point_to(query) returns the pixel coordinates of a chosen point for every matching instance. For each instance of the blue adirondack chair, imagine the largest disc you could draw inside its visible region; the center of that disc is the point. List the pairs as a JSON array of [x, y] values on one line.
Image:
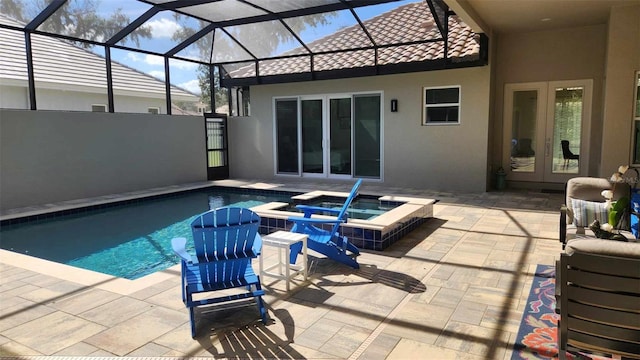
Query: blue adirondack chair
[[327, 242], [225, 240]]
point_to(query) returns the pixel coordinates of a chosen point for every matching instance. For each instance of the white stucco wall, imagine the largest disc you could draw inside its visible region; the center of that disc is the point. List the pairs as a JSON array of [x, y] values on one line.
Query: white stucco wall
[[50, 156], [444, 157]]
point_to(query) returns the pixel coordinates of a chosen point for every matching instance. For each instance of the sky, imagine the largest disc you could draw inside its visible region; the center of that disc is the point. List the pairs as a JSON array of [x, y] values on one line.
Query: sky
[[184, 73]]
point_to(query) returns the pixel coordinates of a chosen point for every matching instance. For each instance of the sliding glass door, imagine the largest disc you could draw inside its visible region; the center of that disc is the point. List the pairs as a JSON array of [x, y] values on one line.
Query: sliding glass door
[[336, 136], [312, 136], [287, 136], [340, 136], [367, 133]]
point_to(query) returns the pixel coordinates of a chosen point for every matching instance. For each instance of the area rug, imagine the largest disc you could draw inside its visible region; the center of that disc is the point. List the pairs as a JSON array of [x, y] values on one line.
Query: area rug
[[537, 337]]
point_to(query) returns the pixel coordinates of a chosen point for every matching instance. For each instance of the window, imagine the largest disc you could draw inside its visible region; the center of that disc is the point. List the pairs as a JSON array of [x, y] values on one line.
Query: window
[[636, 122], [154, 110], [441, 105], [98, 108]]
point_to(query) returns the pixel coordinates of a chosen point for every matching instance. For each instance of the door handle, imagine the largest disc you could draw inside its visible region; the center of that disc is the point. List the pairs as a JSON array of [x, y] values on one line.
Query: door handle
[[547, 147]]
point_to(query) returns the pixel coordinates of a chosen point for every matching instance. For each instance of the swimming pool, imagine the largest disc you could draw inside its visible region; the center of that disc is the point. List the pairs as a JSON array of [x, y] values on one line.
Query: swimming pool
[[133, 239], [128, 241]]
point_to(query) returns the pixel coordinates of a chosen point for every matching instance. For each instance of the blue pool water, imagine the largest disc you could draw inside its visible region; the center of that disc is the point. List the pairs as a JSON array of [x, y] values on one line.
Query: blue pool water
[[134, 240], [128, 241]]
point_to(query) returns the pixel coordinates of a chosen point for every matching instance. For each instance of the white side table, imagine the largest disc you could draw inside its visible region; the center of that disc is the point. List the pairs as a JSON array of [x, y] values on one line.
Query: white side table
[[283, 241]]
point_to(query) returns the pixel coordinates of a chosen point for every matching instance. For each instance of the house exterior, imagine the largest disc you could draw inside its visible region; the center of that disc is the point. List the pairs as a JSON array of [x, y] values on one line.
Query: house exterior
[[346, 128], [513, 101]]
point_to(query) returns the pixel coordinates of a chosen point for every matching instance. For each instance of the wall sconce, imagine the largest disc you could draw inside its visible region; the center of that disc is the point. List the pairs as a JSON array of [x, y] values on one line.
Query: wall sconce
[[394, 105]]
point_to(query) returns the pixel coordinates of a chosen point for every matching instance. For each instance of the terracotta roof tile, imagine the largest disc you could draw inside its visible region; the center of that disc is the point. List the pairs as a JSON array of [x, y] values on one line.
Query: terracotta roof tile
[[408, 23]]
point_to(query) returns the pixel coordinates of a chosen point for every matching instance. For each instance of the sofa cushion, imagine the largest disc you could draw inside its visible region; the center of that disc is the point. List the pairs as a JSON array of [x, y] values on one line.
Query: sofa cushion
[[604, 247], [585, 212], [589, 189]]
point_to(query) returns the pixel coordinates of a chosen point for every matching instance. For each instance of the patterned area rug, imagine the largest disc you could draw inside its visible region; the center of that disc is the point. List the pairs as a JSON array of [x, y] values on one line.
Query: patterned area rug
[[537, 337]]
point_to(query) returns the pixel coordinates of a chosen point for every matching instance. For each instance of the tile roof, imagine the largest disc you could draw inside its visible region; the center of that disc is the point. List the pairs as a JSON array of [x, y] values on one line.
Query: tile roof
[[60, 64], [406, 24]]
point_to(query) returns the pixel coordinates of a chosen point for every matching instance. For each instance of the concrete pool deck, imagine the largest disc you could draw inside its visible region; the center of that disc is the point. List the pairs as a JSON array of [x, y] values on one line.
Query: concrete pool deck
[[455, 287]]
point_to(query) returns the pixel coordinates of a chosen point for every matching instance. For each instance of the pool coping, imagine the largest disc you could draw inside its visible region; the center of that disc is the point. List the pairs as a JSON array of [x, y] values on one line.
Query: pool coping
[[86, 277], [44, 209]]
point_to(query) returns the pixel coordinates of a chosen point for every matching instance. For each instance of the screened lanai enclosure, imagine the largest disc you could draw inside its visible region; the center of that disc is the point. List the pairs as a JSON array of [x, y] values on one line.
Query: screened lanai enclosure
[[128, 95], [195, 56]]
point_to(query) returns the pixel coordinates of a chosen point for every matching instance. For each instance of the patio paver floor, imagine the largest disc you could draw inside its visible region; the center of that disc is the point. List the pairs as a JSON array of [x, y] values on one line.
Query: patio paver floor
[[454, 288]]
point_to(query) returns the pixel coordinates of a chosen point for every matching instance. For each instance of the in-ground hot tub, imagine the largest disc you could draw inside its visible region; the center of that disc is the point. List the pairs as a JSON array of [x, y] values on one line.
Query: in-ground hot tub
[[374, 233]]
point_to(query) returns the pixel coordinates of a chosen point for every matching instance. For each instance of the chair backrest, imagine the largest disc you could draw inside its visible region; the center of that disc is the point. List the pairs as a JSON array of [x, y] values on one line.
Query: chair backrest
[[524, 147], [600, 296], [347, 202], [225, 233], [565, 148]]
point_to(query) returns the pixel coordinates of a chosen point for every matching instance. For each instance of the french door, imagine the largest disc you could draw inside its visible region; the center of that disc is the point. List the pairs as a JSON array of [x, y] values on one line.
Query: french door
[[546, 130], [337, 136]]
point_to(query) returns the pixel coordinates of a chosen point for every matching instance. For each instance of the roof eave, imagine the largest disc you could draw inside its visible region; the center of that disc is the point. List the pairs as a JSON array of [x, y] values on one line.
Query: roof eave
[[388, 69]]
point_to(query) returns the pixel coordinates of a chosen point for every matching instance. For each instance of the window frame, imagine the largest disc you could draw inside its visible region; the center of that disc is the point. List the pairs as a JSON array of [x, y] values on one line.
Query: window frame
[[326, 98], [426, 106], [151, 109], [634, 158], [103, 106]]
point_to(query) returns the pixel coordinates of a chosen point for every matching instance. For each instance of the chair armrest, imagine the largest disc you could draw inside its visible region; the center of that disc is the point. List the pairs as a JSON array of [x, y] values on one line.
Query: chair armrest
[[257, 245], [315, 221], [563, 225], [179, 247], [557, 290], [308, 210]]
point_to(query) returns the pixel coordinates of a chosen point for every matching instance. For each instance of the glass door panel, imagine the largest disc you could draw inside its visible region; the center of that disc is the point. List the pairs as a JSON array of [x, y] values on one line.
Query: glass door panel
[[567, 127], [340, 136], [636, 123], [367, 128], [287, 136], [524, 120], [312, 137], [524, 131]]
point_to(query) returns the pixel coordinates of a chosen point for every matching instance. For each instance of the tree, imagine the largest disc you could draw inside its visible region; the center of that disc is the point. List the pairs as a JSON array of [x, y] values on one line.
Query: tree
[[76, 18]]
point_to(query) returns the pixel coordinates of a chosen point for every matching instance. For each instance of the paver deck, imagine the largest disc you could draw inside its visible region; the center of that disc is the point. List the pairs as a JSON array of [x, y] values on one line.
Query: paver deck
[[454, 288]]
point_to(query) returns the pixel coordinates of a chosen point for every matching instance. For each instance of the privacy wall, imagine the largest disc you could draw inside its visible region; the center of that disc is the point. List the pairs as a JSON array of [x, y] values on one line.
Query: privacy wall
[[52, 156]]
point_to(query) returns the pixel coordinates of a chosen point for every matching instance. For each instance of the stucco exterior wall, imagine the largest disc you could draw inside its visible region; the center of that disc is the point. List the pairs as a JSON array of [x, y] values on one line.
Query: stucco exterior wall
[[440, 157], [565, 54], [622, 61], [50, 156]]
